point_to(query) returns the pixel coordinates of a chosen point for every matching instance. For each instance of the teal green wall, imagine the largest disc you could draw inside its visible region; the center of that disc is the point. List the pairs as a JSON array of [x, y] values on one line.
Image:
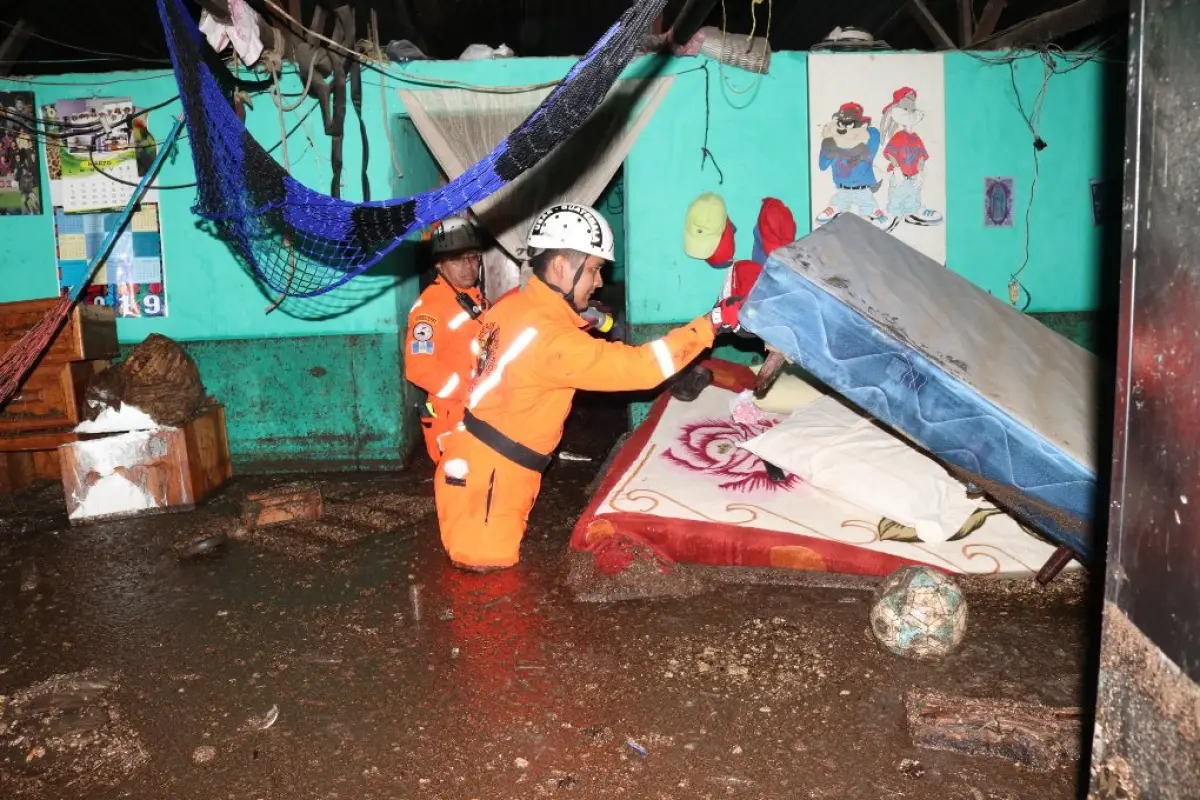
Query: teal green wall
[[611, 204], [758, 135], [987, 136], [320, 380]]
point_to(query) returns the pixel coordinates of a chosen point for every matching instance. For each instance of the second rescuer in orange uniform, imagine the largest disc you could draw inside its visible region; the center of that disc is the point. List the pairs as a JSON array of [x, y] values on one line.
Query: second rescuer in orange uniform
[[442, 325], [534, 354]]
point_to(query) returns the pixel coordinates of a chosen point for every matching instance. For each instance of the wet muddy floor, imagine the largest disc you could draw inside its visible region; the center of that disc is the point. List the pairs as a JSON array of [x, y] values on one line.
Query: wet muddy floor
[[293, 662]]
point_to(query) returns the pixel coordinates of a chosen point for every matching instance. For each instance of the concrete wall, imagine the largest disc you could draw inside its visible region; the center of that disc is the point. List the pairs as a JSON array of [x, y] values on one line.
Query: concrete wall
[[320, 381]]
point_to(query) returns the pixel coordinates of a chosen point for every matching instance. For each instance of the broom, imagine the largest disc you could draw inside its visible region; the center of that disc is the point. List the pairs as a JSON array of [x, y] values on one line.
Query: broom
[[21, 357]]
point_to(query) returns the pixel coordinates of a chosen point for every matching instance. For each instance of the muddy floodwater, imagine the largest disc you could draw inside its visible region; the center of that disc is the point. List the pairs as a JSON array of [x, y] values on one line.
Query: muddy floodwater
[[181, 657]]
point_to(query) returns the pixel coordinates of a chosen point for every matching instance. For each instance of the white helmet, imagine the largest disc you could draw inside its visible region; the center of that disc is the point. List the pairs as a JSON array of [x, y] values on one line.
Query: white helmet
[[568, 226], [453, 235]]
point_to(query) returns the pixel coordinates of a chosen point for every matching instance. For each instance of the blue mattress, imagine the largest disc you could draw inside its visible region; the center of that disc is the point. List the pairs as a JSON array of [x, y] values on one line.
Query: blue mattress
[[1003, 401]]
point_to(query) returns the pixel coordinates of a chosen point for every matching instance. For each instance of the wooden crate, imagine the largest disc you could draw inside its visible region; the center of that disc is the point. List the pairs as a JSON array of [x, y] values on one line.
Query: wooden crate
[[51, 397], [38, 440], [19, 470], [148, 472], [89, 333]]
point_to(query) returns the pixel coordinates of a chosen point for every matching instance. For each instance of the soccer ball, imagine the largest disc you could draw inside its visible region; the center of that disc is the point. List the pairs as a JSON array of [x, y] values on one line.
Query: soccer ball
[[919, 612]]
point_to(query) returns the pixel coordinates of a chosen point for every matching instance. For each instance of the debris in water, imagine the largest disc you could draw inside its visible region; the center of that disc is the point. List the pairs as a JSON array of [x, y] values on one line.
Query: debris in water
[[635, 747], [29, 577], [286, 503], [520, 763], [205, 546], [268, 719], [1038, 736], [414, 598], [566, 455], [74, 727], [204, 754], [912, 768]]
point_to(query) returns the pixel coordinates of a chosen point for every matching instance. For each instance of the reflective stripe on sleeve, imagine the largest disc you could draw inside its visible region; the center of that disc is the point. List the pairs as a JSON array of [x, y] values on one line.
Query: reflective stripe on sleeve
[[663, 354]]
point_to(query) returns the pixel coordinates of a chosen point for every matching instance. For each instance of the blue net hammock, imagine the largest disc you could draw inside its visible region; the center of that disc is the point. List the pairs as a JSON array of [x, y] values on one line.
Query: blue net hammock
[[303, 243]]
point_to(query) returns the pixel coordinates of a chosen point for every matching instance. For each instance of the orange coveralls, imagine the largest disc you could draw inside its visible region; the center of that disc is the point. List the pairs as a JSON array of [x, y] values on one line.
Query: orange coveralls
[[534, 356], [438, 357]]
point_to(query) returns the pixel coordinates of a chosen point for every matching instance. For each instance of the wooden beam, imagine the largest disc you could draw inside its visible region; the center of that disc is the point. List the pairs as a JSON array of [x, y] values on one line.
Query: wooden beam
[[1040, 737], [966, 22], [901, 8], [1055, 24], [892, 20], [690, 19], [936, 33], [13, 44], [988, 20]]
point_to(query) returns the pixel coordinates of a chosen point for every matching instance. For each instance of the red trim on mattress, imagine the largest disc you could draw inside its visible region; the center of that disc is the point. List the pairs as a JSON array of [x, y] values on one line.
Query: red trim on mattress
[[710, 543], [726, 375]]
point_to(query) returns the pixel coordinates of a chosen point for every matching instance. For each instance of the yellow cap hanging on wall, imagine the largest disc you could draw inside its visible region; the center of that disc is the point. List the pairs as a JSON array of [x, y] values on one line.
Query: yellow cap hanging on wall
[[704, 225]]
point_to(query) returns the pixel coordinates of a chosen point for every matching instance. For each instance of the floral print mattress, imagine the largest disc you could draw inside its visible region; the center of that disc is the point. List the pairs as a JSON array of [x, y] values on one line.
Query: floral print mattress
[[682, 488]]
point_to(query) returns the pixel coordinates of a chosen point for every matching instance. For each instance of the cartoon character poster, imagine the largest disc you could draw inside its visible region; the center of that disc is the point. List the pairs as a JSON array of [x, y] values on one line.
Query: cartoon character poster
[[878, 143]]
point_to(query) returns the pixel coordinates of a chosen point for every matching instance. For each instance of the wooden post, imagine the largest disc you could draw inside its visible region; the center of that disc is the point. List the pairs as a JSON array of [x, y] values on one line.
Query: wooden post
[[988, 19], [936, 33], [1054, 24], [1054, 565], [14, 43], [966, 22]]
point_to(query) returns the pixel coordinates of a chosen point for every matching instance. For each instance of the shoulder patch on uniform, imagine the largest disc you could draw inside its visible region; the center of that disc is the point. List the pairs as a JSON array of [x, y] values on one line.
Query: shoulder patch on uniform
[[422, 332], [489, 342], [427, 319], [420, 348]]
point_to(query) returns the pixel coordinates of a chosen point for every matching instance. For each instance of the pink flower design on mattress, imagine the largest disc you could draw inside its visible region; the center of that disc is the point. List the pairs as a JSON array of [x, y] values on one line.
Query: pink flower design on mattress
[[711, 447]]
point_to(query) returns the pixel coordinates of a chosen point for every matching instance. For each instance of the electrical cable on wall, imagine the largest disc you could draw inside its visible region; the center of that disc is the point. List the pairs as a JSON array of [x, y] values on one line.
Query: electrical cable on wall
[[1016, 287], [1052, 58]]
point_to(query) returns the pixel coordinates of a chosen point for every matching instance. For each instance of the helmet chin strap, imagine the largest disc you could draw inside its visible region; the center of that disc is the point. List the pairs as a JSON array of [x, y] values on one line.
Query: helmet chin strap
[[569, 294], [464, 299]]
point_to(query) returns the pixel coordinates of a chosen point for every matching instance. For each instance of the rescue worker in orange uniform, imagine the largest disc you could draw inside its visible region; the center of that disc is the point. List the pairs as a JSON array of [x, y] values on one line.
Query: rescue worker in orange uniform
[[442, 325], [535, 353]]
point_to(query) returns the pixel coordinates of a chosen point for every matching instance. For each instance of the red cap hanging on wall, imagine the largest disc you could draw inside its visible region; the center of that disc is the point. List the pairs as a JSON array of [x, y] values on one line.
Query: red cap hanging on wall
[[724, 252], [776, 226]]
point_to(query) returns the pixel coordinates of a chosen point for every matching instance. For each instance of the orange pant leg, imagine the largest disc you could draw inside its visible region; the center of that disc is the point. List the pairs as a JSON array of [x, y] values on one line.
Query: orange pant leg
[[482, 512], [437, 429]]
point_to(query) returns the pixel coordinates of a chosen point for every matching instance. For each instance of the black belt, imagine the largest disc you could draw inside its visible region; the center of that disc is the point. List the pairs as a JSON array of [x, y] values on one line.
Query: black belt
[[515, 452]]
